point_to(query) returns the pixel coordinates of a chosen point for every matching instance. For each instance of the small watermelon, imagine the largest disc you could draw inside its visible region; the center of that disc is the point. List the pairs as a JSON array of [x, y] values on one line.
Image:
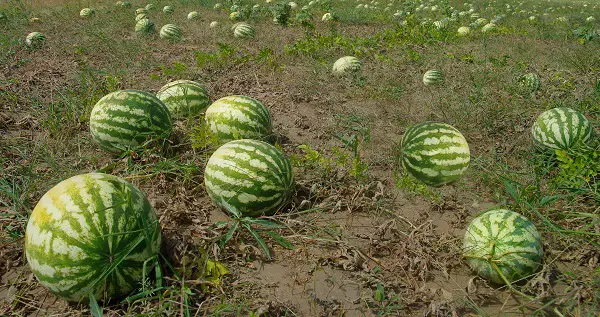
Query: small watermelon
[[184, 98], [502, 241], [238, 117], [35, 39], [125, 119], [194, 15], [530, 81], [168, 9], [249, 178], [150, 6], [435, 153], [170, 32], [144, 26], [81, 227], [464, 31], [346, 65], [141, 11], [488, 28], [86, 12], [561, 128], [433, 77]]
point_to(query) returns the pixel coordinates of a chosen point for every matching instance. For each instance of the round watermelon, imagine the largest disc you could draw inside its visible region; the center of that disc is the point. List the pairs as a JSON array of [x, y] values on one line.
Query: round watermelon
[[238, 117], [144, 26], [346, 65], [327, 17], [560, 128], [141, 11], [141, 16], [194, 15], [150, 6], [433, 77], [184, 98], [35, 39], [168, 9], [249, 178], [170, 32], [244, 31], [488, 28], [85, 225], [502, 241], [86, 12], [530, 81], [125, 119], [464, 31], [435, 153], [213, 24]]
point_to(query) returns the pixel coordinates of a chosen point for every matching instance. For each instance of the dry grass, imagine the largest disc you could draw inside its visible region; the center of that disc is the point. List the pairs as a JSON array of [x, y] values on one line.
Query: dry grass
[[351, 233]]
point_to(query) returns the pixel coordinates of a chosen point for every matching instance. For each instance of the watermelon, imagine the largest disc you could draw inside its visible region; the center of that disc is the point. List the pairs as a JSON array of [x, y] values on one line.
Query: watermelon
[[35, 39], [238, 117], [125, 119], [81, 227], [249, 178], [86, 12], [194, 15], [184, 98], [433, 77], [170, 32], [141, 16], [530, 81], [234, 16], [464, 31], [141, 11], [560, 128], [435, 153], [168, 9], [440, 25], [123, 4], [217, 6], [346, 65], [505, 241], [213, 24], [144, 26], [244, 31], [490, 27], [150, 6]]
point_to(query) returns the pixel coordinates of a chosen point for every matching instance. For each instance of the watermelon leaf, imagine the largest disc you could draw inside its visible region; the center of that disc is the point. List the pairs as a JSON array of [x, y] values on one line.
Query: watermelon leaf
[[94, 307], [229, 234], [263, 222], [258, 239], [281, 240]]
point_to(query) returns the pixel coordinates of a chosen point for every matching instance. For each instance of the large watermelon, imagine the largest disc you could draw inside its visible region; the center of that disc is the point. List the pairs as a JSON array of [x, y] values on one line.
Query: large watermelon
[[560, 128], [433, 77], [83, 226], [184, 98], [170, 32], [346, 65], [124, 119], [244, 31], [249, 178], [238, 117], [435, 153], [505, 241]]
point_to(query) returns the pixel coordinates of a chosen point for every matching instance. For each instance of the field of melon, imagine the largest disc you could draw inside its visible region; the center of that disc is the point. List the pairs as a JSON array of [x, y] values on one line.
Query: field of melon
[[299, 158]]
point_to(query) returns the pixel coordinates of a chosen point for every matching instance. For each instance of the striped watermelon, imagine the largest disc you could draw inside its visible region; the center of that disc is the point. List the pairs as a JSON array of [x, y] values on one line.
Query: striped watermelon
[[506, 240], [170, 32], [433, 77], [168, 9], [234, 16], [530, 81], [194, 15], [347, 65], [435, 153], [327, 17], [125, 119], [238, 117], [464, 31], [244, 31], [86, 12], [144, 26], [141, 11], [81, 226], [35, 39], [150, 6], [124, 4], [490, 27], [249, 178], [184, 98], [560, 128]]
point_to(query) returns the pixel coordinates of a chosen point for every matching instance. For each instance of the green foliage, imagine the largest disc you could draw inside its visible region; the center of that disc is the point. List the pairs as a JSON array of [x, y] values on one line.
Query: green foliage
[[281, 12], [578, 170], [385, 304]]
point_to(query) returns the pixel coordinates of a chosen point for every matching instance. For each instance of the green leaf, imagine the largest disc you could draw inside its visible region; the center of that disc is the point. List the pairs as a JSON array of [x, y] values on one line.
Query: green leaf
[[258, 239], [281, 240], [94, 307], [380, 293], [511, 190], [229, 234], [263, 222], [550, 199]]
